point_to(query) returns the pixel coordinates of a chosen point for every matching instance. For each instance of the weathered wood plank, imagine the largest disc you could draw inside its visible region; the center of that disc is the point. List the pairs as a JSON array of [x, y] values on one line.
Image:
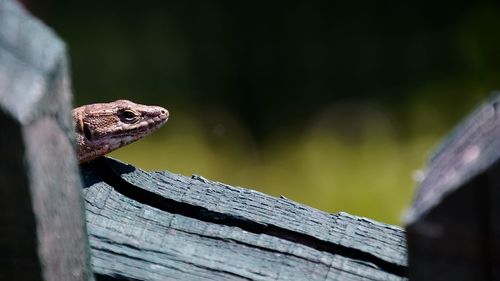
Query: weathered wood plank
[[161, 226], [42, 222], [453, 231]]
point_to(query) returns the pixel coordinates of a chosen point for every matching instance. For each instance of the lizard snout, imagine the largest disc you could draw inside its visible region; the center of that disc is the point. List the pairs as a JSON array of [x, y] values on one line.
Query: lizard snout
[[163, 113]]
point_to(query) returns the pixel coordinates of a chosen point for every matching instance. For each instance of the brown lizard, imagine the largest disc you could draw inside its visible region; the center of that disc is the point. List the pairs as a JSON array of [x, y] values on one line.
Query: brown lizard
[[103, 127]]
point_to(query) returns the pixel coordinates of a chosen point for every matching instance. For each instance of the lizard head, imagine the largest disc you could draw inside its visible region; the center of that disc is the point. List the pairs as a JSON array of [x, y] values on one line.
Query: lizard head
[[103, 127]]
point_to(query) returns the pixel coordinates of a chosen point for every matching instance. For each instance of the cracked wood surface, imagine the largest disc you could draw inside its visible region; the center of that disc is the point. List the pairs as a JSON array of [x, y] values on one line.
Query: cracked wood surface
[[163, 226]]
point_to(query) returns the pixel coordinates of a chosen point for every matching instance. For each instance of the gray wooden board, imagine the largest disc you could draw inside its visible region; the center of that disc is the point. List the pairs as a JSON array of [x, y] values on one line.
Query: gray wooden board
[[42, 221], [163, 226], [470, 149], [452, 226]]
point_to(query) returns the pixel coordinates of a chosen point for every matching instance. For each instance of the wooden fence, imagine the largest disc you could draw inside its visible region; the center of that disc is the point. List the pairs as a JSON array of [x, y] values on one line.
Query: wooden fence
[[163, 226]]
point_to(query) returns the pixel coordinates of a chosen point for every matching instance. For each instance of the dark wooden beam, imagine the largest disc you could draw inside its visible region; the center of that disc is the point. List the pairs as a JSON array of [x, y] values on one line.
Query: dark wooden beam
[[453, 231]]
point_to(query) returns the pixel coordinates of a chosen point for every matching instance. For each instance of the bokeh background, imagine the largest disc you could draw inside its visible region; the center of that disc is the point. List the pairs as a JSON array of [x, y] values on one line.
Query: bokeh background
[[334, 104]]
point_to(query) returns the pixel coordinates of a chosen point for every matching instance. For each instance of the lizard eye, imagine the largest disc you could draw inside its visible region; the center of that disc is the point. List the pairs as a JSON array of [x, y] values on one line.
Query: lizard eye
[[129, 115]]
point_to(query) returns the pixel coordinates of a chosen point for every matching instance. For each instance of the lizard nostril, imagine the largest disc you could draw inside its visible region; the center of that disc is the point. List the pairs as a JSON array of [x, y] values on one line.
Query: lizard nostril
[[163, 112]]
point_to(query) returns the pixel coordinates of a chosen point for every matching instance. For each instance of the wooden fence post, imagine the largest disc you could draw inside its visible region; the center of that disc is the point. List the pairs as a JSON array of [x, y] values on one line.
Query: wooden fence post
[[453, 230], [42, 221]]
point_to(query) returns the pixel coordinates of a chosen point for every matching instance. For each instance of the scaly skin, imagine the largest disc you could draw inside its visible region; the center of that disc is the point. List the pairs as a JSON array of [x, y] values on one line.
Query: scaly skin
[[103, 127]]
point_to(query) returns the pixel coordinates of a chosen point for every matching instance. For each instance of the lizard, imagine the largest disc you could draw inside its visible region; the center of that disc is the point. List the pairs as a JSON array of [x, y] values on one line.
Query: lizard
[[103, 127]]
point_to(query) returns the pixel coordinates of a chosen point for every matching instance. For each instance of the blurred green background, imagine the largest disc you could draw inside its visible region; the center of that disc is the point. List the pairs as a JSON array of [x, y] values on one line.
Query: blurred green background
[[334, 104]]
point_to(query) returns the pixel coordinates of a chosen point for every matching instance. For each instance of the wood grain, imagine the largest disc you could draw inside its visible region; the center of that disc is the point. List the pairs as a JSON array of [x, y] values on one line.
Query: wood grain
[[162, 226]]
